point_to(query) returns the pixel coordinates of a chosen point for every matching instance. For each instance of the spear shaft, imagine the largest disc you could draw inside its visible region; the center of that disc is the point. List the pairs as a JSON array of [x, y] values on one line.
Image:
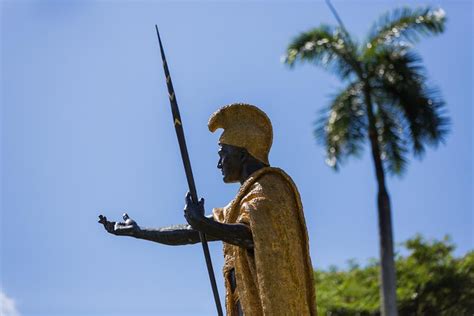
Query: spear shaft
[[187, 168]]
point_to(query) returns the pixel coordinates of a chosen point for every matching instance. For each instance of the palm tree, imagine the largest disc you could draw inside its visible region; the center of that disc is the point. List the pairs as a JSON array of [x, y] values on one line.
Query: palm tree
[[386, 100]]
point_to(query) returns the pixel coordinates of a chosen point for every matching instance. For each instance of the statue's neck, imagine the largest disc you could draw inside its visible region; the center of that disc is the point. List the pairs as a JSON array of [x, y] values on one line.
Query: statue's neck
[[249, 169]]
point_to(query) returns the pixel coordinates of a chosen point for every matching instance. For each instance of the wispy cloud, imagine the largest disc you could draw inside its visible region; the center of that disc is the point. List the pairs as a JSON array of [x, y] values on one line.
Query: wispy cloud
[[7, 306]]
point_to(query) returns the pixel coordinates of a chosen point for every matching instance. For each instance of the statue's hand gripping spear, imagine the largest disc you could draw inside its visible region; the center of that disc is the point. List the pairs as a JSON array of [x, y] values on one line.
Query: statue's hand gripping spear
[[187, 168]]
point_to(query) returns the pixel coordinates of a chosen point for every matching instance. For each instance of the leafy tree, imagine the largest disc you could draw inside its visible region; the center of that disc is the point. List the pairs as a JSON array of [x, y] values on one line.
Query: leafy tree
[[386, 101], [431, 281]]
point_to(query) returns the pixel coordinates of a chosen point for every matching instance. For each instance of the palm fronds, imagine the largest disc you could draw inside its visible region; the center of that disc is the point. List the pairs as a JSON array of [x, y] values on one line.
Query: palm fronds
[[325, 46], [391, 138], [405, 24], [342, 127], [401, 78], [409, 113]]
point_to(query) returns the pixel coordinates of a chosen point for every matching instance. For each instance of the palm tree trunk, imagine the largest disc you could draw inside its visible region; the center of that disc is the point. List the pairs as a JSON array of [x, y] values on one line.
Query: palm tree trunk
[[388, 277]]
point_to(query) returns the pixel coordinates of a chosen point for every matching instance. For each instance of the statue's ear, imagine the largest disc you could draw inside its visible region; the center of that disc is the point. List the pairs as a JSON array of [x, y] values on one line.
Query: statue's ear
[[244, 155]]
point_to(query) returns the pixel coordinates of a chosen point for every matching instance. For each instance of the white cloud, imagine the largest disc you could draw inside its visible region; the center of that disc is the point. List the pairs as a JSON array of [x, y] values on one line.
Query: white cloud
[[7, 306]]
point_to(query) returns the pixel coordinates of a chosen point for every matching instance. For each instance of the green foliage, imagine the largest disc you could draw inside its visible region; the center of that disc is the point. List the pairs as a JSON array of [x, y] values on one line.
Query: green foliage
[[408, 113], [430, 282]]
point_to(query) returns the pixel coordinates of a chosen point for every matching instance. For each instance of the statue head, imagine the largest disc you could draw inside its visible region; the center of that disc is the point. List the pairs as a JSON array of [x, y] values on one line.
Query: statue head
[[245, 142]]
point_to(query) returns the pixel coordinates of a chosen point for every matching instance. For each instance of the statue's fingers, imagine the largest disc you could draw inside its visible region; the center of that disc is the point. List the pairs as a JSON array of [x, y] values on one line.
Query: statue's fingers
[[102, 219], [188, 198]]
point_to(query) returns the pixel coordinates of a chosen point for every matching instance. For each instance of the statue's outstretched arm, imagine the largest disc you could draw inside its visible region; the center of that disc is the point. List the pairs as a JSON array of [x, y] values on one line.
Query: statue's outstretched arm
[[235, 234], [173, 235]]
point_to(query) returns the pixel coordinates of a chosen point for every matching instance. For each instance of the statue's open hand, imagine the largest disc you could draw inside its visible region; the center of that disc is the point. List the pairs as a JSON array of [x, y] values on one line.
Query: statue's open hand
[[127, 228], [193, 212]]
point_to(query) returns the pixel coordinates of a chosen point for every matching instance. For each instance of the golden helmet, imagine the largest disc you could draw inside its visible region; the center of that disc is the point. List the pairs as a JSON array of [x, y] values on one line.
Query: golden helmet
[[245, 126]]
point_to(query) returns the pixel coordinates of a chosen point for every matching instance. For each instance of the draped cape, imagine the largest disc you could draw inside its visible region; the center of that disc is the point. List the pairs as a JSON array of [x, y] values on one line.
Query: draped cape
[[276, 276]]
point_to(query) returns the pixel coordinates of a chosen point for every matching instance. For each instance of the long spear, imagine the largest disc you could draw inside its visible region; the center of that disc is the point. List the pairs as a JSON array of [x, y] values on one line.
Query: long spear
[[178, 125]]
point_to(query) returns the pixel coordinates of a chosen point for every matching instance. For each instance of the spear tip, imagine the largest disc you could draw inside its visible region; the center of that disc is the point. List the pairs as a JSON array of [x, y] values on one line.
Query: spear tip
[[161, 44]]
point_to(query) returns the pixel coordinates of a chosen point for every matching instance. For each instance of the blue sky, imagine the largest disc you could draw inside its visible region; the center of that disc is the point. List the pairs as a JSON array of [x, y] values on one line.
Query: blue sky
[[86, 129]]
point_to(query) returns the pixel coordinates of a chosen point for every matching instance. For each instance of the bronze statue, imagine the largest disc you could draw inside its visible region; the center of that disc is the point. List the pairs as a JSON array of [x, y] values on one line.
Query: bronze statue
[[267, 269]]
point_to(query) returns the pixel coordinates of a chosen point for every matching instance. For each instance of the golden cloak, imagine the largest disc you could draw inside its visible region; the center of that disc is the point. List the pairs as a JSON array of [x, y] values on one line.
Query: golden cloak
[[276, 278]]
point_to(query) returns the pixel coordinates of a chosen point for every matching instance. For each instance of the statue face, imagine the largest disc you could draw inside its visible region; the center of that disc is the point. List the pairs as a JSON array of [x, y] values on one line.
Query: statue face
[[231, 160]]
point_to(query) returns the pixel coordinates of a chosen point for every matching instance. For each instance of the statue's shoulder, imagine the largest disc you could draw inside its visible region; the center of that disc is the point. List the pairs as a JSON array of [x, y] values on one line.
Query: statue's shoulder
[[271, 181], [273, 175]]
